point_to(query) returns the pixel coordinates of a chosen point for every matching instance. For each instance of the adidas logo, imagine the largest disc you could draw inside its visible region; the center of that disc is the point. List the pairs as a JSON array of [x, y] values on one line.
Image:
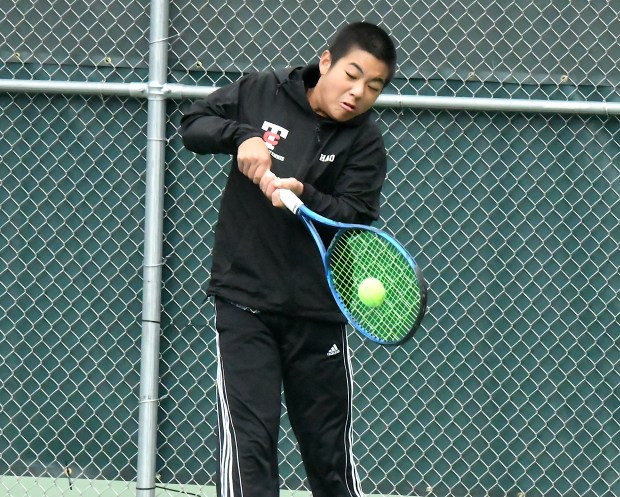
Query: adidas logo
[[333, 351]]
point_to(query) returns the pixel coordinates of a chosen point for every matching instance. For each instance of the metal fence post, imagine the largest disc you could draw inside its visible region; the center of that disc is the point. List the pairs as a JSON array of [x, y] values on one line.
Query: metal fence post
[[153, 239]]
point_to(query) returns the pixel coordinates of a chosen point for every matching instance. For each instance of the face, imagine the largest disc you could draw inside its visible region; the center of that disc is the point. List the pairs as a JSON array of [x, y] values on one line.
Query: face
[[350, 86]]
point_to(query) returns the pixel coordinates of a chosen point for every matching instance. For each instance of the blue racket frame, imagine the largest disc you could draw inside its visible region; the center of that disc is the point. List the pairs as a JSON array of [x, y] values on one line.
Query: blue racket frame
[[308, 216]]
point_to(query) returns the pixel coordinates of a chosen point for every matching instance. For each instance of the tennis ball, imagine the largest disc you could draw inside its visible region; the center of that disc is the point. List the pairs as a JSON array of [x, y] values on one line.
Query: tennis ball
[[371, 292]]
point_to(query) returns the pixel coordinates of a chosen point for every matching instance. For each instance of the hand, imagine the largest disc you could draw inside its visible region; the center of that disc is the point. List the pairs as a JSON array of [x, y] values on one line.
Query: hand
[[253, 159], [271, 185]]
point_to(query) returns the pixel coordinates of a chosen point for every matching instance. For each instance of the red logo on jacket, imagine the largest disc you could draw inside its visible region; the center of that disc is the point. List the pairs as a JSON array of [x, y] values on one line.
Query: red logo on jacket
[[273, 133]]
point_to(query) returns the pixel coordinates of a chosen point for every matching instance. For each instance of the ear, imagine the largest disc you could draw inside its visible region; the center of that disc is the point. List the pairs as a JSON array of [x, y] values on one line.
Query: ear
[[326, 62]]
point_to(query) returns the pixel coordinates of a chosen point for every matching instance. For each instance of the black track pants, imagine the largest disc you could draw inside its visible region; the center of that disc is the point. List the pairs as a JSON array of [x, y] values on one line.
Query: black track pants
[[257, 354]]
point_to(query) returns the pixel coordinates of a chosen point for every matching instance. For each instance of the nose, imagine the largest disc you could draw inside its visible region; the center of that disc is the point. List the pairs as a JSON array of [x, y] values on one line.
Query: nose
[[357, 90]]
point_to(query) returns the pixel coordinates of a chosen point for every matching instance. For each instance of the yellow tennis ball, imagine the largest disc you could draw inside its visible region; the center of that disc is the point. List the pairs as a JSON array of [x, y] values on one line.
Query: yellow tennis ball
[[371, 292]]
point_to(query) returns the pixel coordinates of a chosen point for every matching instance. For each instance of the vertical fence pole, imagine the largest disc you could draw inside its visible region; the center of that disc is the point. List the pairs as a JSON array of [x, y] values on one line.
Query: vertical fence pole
[[153, 241]]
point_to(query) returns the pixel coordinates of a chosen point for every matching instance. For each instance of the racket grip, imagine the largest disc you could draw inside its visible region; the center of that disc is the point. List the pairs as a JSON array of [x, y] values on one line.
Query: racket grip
[[290, 200]]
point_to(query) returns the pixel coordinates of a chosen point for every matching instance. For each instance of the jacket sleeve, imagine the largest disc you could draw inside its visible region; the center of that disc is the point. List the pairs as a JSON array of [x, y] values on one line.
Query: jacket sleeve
[[356, 195], [212, 125]]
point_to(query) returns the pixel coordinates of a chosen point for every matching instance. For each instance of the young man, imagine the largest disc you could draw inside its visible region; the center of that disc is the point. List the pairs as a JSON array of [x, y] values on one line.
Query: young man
[[277, 323]]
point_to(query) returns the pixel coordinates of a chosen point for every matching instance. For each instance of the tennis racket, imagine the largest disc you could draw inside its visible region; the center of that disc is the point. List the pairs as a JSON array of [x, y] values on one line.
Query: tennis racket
[[358, 252]]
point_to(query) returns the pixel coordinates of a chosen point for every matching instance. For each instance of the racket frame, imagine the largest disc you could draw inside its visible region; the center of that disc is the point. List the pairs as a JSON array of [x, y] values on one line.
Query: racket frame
[[293, 203]]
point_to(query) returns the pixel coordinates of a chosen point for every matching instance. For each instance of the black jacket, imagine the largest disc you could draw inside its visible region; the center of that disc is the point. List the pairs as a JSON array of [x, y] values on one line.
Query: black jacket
[[264, 257]]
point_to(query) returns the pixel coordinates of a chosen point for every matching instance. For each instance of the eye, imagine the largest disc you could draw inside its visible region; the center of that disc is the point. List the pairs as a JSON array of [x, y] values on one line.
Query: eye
[[350, 76], [374, 88]]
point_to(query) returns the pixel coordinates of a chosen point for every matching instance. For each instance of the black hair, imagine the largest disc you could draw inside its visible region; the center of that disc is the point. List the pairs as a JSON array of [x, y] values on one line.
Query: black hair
[[368, 37]]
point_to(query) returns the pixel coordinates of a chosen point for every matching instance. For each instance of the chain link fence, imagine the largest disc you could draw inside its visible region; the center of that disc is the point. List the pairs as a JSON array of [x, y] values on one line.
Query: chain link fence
[[512, 386]]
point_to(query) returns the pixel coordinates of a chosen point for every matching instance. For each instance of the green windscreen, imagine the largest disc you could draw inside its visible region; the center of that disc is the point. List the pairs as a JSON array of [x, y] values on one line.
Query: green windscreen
[[357, 254]]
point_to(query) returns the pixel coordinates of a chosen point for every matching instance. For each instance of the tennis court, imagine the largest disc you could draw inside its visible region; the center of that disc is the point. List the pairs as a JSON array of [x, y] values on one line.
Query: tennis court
[[502, 131]]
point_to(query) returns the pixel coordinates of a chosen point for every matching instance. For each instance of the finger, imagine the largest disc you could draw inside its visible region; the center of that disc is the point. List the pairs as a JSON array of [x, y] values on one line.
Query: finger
[[260, 172], [290, 184], [253, 173], [275, 198], [266, 182], [242, 164], [248, 166]]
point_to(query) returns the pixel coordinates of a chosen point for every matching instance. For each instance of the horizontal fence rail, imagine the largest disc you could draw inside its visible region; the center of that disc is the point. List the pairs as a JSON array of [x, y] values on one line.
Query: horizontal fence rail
[[181, 92]]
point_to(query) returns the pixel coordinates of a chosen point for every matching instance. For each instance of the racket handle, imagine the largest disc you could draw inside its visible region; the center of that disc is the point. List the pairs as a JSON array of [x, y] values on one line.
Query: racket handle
[[290, 200]]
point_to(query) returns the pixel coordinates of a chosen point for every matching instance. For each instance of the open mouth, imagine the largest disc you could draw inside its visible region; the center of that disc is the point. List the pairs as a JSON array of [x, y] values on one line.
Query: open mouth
[[347, 106]]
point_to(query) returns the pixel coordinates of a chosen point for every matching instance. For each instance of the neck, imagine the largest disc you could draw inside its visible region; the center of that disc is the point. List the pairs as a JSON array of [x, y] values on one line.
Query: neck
[[312, 100]]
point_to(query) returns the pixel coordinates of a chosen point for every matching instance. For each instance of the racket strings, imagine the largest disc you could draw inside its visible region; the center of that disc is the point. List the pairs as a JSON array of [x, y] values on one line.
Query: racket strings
[[357, 254]]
